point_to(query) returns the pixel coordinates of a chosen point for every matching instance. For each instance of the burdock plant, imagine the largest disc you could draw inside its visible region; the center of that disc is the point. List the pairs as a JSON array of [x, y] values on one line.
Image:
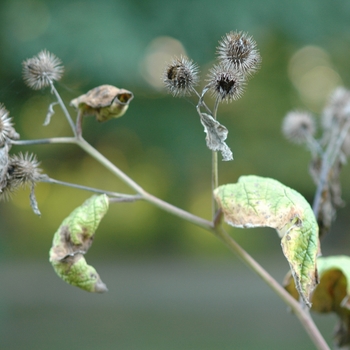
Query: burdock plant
[[252, 201]]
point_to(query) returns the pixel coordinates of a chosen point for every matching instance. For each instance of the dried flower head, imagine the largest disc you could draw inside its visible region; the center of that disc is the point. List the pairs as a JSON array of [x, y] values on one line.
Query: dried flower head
[[41, 70], [180, 76], [337, 110], [298, 126], [238, 50], [7, 130], [225, 84], [22, 170]]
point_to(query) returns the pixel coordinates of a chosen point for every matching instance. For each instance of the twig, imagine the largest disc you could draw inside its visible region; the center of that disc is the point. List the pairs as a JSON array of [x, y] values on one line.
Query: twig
[[302, 315]]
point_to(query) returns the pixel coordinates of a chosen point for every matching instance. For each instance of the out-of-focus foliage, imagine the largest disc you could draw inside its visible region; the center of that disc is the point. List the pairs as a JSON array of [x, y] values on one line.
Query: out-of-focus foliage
[[160, 141]]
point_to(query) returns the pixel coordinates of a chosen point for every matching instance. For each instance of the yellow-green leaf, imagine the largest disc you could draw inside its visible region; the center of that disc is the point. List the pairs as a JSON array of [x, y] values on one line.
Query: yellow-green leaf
[[256, 201]]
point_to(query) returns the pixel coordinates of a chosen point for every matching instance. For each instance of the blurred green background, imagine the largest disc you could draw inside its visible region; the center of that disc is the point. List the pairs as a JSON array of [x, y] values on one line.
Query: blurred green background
[[172, 285]]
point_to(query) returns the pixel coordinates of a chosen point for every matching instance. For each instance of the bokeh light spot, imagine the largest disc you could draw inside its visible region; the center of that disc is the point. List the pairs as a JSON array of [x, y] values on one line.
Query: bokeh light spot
[[158, 53], [311, 72]]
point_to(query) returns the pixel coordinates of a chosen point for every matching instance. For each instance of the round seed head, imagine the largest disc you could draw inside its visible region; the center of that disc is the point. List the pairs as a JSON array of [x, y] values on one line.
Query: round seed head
[[180, 76], [225, 84], [6, 127], [23, 170], [238, 50], [298, 126], [41, 70]]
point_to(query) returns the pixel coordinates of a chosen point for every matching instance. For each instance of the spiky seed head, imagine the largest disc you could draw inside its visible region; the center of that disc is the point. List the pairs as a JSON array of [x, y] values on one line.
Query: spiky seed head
[[238, 50], [23, 168], [225, 84], [298, 126], [7, 130], [42, 69], [22, 171], [181, 76]]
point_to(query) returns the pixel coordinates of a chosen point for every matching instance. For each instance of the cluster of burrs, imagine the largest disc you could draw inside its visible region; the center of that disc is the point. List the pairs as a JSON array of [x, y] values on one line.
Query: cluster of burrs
[[238, 59]]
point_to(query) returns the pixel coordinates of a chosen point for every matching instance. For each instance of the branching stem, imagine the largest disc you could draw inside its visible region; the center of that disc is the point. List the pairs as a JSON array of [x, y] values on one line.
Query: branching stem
[[212, 226]]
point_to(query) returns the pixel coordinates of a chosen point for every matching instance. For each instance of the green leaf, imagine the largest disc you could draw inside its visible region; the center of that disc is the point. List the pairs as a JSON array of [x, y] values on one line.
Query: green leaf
[[73, 239], [256, 201]]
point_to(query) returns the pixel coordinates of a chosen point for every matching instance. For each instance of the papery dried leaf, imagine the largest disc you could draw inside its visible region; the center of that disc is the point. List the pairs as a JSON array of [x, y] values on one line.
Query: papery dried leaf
[[256, 201], [104, 102], [50, 113], [73, 239], [216, 136], [33, 201]]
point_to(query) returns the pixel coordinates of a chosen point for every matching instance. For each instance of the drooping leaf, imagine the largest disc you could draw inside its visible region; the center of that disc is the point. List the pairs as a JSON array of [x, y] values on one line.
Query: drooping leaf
[[256, 201], [216, 136], [73, 239], [331, 294], [50, 113]]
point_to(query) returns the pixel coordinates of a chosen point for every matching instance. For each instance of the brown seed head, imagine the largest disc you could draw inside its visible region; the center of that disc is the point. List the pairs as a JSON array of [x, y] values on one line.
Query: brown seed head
[[225, 84], [180, 76], [22, 170]]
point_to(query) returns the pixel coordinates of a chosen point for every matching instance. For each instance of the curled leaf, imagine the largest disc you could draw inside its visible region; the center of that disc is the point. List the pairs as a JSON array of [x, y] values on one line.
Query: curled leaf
[[33, 201], [104, 102], [256, 202], [332, 294], [216, 136], [50, 113], [73, 239]]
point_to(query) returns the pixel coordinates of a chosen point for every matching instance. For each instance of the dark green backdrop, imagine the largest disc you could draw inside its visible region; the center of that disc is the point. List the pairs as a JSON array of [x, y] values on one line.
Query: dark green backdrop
[[154, 264]]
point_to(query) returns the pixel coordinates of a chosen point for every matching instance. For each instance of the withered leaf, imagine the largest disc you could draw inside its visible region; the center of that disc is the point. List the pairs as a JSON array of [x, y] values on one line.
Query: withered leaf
[[73, 239], [216, 136], [104, 102]]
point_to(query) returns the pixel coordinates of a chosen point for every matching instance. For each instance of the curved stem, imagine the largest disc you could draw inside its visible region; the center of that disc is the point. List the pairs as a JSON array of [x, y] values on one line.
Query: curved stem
[[214, 166], [145, 195], [64, 109], [44, 141], [303, 315], [121, 196]]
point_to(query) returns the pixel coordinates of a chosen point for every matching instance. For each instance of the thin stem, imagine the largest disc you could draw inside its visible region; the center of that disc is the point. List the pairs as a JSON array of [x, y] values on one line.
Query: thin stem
[[109, 165], [214, 180], [302, 315], [79, 124], [90, 189], [216, 107], [44, 141], [64, 109], [201, 101], [214, 166], [145, 195]]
